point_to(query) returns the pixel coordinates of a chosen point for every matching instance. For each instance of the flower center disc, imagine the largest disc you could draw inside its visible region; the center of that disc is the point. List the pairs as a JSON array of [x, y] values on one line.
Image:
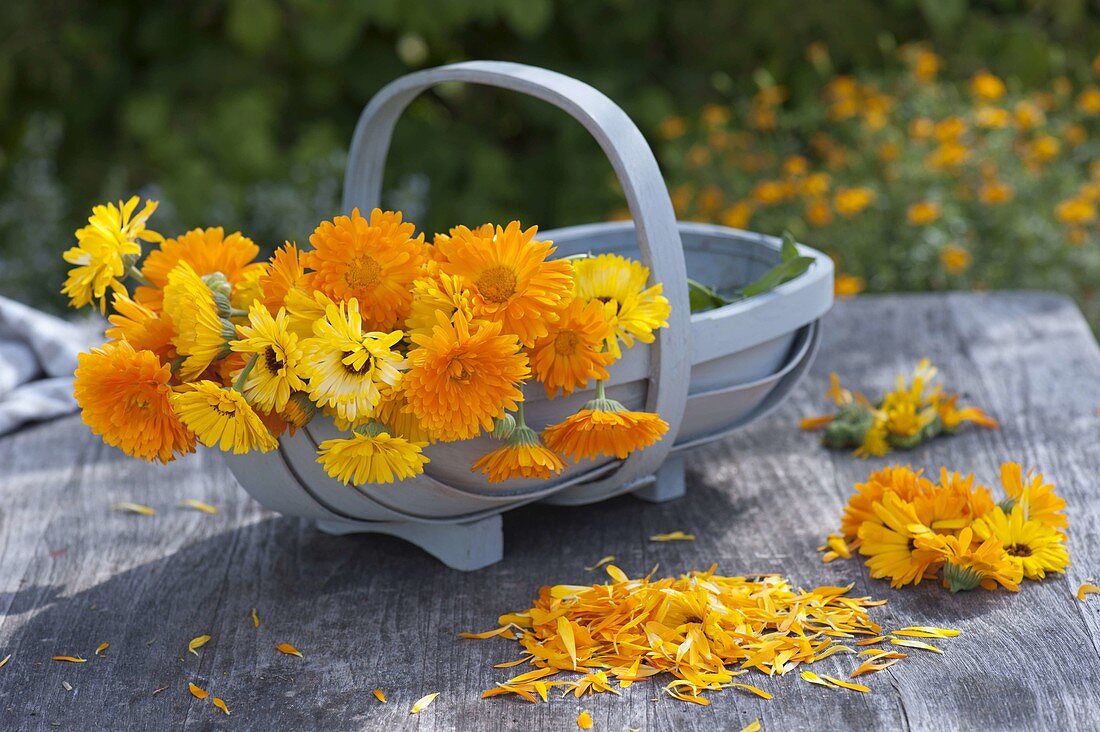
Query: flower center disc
[[272, 360], [497, 284], [363, 273], [566, 343], [1018, 550]]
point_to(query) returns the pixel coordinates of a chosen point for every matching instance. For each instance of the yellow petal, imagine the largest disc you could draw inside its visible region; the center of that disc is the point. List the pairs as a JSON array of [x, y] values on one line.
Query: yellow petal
[[70, 659], [915, 644], [673, 536], [504, 631], [753, 726], [4, 661], [197, 691], [289, 650], [927, 631], [616, 574], [513, 664], [871, 641], [255, 618], [66, 686], [423, 702], [379, 695], [101, 648], [134, 508], [565, 632], [1087, 588], [198, 505], [197, 643], [813, 678], [220, 704], [847, 684], [601, 562], [584, 720], [755, 690]]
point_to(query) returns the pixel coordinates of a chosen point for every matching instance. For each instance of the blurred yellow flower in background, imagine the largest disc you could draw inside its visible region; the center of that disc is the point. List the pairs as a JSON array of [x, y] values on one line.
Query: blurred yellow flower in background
[[987, 86], [955, 259], [1076, 211], [1088, 101], [850, 202], [846, 285], [923, 213]]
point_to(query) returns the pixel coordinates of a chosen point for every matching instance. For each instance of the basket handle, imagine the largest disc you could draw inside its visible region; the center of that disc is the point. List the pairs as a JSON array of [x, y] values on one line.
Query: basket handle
[[634, 164]]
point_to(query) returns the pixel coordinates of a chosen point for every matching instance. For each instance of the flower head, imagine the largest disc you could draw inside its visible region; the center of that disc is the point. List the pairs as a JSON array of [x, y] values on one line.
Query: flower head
[[523, 456], [923, 213], [221, 417], [890, 546], [463, 376], [572, 352], [206, 251], [1035, 547], [1034, 495], [511, 279], [202, 335], [346, 367], [124, 396], [955, 259], [285, 273], [850, 202], [604, 427], [901, 480], [371, 455], [969, 563], [987, 87], [633, 310], [142, 328], [438, 291], [374, 261], [277, 370], [106, 247]]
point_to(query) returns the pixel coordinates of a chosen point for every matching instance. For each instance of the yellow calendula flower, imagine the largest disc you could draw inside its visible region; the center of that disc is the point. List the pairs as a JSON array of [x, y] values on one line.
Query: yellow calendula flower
[[1088, 101], [305, 308], [889, 544], [142, 328], [901, 480], [769, 192], [1043, 149], [994, 192], [522, 456], [604, 427], [969, 564], [992, 118], [207, 251], [1076, 211], [987, 87], [278, 368], [374, 261], [371, 456], [221, 417], [1034, 546], [923, 213], [438, 291], [393, 412], [633, 309], [106, 248], [738, 215], [850, 202], [124, 397], [818, 212], [463, 376], [847, 285], [572, 352], [510, 277], [347, 368], [202, 334], [955, 259], [1034, 495]]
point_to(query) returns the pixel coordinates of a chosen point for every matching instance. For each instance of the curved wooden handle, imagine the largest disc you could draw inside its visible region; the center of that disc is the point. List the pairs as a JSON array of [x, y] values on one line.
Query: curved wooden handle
[[636, 168]]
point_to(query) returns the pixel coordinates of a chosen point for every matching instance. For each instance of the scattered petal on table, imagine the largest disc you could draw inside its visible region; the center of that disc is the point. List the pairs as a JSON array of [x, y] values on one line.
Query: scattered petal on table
[[137, 508], [584, 720], [601, 562], [5, 660], [925, 631], [915, 644], [755, 690], [101, 648], [673, 536], [220, 704], [198, 505], [423, 702], [504, 631], [197, 691], [289, 650], [196, 643], [379, 695], [66, 686], [1086, 589], [847, 684], [70, 659], [255, 618], [753, 726]]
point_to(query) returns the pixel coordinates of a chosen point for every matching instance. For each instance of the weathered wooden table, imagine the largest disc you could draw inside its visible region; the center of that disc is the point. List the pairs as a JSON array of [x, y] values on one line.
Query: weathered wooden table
[[372, 612]]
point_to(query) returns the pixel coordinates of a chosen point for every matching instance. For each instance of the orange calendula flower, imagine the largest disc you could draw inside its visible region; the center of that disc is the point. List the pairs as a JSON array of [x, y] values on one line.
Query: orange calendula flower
[[572, 352], [372, 260], [510, 276], [850, 202], [141, 327], [463, 376], [523, 456], [955, 259], [970, 564], [283, 274], [987, 87], [371, 456], [923, 213], [221, 417], [106, 248], [604, 427], [207, 251], [846, 285], [124, 397]]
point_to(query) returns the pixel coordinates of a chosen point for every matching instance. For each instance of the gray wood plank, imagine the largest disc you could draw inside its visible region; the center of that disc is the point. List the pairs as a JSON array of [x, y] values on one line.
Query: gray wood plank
[[372, 612]]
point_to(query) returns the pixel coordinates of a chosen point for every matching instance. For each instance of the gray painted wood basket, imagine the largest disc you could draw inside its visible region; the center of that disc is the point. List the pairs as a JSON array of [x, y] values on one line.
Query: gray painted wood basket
[[707, 374]]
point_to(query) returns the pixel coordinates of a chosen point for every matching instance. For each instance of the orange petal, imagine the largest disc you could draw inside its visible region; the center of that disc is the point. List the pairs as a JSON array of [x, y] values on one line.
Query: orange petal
[[288, 650], [197, 691]]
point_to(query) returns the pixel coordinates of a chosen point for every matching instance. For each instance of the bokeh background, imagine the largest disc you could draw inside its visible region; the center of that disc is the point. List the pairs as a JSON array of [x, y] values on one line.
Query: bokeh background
[[926, 144]]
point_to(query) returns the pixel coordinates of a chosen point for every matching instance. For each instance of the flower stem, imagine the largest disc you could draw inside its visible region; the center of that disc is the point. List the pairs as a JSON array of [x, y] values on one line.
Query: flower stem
[[135, 273], [600, 390], [520, 421], [238, 385], [237, 313]]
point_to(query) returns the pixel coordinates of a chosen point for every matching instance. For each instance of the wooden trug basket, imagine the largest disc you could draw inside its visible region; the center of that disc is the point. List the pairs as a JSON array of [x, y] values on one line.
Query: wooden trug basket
[[706, 374]]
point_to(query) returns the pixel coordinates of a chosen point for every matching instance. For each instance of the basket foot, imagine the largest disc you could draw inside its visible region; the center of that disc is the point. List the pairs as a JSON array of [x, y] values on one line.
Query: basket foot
[[669, 482], [465, 547]]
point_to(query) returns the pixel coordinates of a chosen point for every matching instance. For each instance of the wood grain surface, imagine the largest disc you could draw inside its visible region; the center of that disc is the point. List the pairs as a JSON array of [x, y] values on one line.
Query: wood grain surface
[[372, 612]]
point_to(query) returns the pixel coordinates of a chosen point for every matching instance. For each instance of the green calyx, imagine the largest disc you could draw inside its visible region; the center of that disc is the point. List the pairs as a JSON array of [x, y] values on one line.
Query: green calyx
[[503, 427], [373, 428], [524, 435], [960, 579], [849, 426]]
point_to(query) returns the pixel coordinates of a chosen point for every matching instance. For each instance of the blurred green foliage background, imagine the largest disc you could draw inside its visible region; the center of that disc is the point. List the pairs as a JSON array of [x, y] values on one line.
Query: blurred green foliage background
[[238, 112]]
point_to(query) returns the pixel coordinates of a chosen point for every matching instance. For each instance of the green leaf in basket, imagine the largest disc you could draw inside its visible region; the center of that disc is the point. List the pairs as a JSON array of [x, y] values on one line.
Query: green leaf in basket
[[701, 297], [792, 265]]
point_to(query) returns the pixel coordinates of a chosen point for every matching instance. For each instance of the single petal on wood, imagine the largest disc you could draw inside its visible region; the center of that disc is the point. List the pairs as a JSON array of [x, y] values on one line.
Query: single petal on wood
[[423, 702]]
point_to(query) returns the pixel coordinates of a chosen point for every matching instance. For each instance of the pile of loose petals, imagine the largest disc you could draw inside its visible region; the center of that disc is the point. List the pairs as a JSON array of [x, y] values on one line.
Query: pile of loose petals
[[401, 341], [702, 629], [914, 412], [912, 528]]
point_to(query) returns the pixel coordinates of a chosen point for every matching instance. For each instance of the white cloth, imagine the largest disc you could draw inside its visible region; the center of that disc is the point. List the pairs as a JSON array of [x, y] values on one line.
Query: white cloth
[[37, 359]]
